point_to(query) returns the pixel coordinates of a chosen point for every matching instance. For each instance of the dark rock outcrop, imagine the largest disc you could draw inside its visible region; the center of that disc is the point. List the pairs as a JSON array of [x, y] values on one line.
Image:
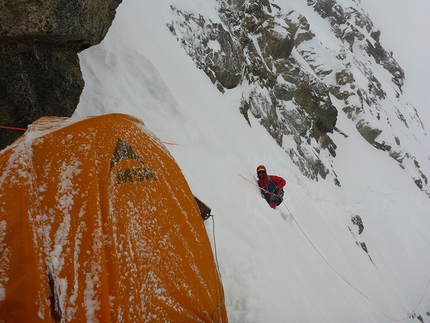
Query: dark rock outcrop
[[39, 65], [359, 228]]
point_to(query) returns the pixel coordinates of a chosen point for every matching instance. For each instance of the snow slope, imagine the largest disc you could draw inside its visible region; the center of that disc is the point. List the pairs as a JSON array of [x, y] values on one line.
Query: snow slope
[[301, 262]]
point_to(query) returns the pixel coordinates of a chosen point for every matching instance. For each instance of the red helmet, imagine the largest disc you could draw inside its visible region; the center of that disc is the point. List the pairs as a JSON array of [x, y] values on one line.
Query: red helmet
[[261, 168]]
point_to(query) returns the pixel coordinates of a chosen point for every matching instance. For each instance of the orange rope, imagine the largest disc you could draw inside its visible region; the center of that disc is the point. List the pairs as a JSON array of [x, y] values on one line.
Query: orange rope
[[313, 245], [323, 258], [343, 278], [13, 128], [170, 143]]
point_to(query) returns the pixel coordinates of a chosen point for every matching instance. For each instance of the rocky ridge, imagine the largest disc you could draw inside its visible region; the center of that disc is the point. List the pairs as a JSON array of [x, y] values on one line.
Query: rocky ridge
[[300, 83]]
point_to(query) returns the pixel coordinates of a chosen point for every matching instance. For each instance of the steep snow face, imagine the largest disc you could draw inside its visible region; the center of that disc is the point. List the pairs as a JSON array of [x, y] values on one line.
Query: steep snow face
[[296, 75], [280, 266]]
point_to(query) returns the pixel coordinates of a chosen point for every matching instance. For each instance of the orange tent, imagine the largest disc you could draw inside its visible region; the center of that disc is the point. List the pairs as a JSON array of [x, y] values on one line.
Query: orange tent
[[98, 224]]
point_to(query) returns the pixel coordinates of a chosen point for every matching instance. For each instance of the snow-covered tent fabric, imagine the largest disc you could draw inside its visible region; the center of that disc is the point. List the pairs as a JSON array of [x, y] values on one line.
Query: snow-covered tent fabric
[[98, 224]]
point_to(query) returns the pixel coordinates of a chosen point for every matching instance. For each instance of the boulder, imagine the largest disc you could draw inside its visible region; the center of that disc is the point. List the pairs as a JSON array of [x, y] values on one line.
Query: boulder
[[39, 66]]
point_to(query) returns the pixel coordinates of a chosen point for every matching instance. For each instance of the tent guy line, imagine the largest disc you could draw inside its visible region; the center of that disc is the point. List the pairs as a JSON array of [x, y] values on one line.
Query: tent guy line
[[13, 128], [334, 269], [217, 267]]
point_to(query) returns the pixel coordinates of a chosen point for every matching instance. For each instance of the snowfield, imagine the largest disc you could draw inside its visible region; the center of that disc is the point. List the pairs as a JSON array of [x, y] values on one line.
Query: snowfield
[[305, 261]]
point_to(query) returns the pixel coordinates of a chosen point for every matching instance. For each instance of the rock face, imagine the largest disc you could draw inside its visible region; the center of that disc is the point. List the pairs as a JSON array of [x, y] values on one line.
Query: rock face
[[296, 84], [39, 66], [253, 45]]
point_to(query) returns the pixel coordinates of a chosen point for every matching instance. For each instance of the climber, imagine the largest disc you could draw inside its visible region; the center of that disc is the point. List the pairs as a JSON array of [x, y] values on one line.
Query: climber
[[271, 187]]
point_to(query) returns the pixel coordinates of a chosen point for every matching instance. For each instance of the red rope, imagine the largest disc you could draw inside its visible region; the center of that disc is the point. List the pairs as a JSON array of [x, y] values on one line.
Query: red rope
[[413, 312], [170, 143], [13, 128], [343, 278], [313, 245]]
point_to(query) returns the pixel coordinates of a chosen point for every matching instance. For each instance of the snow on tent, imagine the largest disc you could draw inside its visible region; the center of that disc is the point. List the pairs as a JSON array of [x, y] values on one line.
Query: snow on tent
[[98, 224]]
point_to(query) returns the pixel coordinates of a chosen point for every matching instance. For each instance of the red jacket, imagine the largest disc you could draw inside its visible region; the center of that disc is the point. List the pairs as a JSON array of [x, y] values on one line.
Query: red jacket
[[269, 183]]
